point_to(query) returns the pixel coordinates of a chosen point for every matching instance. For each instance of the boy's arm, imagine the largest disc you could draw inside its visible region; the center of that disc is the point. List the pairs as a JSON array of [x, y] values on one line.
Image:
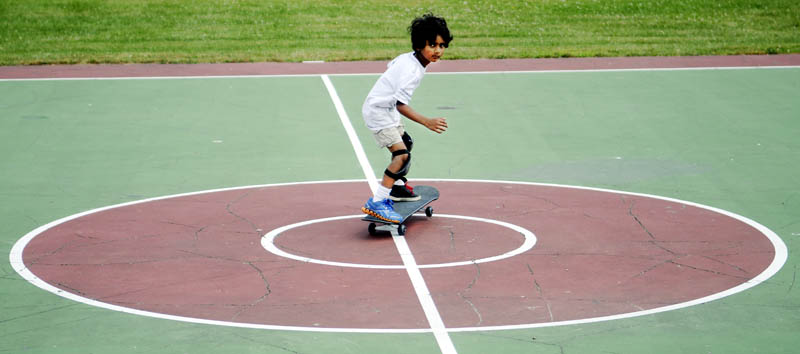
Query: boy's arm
[[438, 124]]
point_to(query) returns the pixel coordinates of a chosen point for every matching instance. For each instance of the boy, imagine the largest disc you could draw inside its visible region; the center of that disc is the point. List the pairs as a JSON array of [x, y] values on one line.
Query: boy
[[389, 98]]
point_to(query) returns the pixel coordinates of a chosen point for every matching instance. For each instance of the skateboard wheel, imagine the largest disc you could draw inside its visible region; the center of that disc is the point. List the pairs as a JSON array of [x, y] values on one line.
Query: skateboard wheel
[[429, 211], [401, 229], [371, 229]]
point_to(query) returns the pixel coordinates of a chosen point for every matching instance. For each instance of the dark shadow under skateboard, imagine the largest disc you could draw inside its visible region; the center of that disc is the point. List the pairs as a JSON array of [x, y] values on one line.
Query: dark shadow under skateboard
[[406, 210]]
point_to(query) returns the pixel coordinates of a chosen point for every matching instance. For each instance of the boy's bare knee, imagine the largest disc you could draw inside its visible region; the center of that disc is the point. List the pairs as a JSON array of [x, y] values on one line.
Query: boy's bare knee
[[400, 158]]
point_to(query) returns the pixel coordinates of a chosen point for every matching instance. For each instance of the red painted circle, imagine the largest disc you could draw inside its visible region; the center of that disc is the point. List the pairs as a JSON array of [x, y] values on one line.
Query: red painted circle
[[598, 254]]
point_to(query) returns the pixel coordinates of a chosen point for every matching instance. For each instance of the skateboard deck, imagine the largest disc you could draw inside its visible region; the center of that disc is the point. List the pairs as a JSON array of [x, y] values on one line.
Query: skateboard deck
[[406, 210]]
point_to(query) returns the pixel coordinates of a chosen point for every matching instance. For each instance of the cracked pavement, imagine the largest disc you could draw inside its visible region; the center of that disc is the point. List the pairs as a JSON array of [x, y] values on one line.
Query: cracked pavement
[[597, 254]]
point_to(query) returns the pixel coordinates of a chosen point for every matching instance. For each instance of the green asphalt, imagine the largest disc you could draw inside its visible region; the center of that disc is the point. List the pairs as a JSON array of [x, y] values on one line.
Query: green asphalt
[[729, 139]]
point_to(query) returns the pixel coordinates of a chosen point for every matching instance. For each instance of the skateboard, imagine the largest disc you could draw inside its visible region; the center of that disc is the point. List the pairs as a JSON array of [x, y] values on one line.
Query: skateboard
[[405, 209]]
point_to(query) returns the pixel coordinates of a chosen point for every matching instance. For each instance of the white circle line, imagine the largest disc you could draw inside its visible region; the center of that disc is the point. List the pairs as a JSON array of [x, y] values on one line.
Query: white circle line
[[781, 255], [268, 242]]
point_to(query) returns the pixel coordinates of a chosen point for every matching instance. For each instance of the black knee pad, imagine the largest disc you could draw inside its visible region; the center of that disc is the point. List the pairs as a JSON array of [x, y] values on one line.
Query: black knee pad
[[408, 141], [404, 169]]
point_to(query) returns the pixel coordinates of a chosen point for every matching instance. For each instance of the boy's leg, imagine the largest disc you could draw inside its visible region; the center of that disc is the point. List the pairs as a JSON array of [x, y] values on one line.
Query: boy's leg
[[407, 144], [380, 205], [398, 142], [394, 177], [395, 165]]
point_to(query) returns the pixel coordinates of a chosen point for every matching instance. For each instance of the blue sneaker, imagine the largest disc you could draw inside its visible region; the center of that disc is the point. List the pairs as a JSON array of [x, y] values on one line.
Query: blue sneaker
[[383, 210]]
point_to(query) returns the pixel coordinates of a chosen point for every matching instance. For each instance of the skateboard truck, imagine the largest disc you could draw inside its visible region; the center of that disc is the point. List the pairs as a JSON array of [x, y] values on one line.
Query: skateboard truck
[[373, 227], [406, 210]]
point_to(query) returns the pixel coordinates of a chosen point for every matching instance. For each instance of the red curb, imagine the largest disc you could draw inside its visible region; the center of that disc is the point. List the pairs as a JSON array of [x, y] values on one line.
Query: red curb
[[248, 69]]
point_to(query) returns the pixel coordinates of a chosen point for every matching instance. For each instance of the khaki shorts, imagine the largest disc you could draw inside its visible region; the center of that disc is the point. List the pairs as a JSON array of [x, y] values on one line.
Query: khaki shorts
[[389, 136]]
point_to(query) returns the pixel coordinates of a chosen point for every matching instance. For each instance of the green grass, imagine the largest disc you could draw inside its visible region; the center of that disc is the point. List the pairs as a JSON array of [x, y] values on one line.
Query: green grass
[[173, 31]]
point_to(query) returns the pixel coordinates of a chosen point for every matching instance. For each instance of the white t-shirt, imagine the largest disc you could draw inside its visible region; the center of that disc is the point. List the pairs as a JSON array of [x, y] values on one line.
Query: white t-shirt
[[398, 82]]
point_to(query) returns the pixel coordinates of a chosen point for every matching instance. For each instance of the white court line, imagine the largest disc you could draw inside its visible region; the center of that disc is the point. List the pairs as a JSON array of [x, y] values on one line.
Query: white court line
[[15, 255], [17, 263], [351, 133], [268, 242], [424, 295], [417, 281]]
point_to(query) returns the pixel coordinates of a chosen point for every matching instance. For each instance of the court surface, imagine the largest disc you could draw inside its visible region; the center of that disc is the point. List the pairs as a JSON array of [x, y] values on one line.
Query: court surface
[[615, 205]]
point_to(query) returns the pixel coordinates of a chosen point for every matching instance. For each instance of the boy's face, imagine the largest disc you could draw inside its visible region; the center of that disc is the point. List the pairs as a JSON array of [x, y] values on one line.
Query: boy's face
[[433, 51]]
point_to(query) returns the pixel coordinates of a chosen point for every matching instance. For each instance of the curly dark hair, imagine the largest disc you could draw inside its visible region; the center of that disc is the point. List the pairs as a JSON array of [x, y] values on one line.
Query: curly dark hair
[[425, 29]]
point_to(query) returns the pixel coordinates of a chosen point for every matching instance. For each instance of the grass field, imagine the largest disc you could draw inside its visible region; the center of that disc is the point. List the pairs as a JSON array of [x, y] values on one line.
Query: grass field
[[171, 31]]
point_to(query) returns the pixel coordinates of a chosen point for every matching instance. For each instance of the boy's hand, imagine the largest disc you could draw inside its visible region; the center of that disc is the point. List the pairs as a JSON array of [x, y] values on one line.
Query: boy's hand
[[438, 125]]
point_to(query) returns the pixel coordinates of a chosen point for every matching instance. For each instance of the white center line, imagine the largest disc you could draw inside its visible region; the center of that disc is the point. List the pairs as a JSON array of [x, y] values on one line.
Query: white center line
[[351, 133], [410, 264], [424, 295]]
